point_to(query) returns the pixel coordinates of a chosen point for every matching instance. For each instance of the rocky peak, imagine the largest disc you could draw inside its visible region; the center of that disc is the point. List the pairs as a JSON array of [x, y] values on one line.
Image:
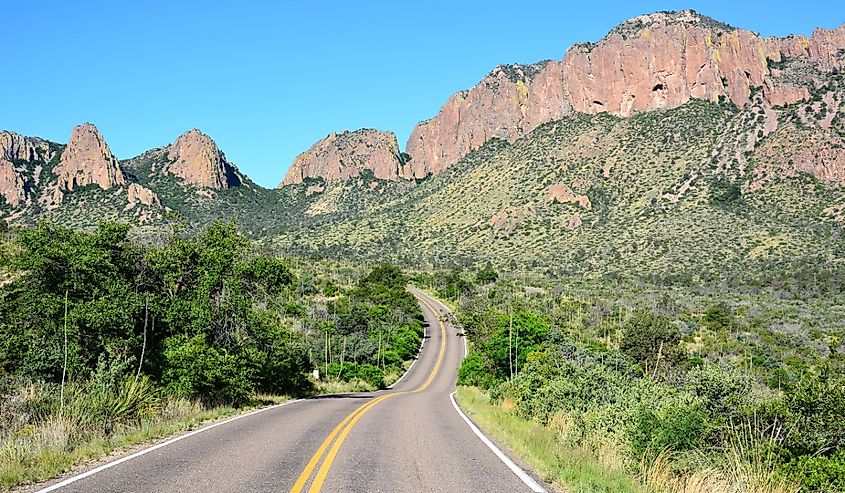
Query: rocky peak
[[196, 159], [16, 147], [509, 102], [87, 160], [13, 147], [345, 155], [651, 62], [633, 28]]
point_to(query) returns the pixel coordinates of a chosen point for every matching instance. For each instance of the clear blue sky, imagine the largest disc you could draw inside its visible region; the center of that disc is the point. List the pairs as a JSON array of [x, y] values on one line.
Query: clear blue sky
[[266, 80]]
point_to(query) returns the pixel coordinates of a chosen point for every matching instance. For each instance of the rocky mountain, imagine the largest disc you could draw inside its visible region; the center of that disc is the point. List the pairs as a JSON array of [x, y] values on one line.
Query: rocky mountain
[[345, 155], [87, 160], [196, 159], [46, 180], [674, 146], [655, 61], [15, 151], [694, 192]]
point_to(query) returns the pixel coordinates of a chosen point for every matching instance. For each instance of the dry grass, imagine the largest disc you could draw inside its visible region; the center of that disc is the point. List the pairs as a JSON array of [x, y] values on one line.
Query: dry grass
[[37, 442], [737, 475], [746, 464]]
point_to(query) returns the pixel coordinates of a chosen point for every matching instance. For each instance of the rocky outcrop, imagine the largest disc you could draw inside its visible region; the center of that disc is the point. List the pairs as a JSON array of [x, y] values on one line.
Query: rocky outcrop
[[14, 147], [196, 159], [783, 94], [662, 60], [824, 48], [792, 151], [564, 195], [11, 184], [508, 219], [139, 194], [654, 61], [511, 101], [87, 160], [345, 155], [574, 222]]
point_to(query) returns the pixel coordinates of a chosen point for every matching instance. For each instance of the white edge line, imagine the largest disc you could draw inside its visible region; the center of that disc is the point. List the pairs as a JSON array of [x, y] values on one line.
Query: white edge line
[[108, 465], [520, 473], [419, 353], [173, 440]]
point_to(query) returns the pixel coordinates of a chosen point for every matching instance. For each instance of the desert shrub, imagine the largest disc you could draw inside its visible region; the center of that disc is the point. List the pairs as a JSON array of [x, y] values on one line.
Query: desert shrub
[[717, 317], [192, 367], [371, 374], [675, 428], [351, 371], [725, 193], [818, 473], [815, 408], [517, 336], [724, 392], [486, 275], [647, 337], [473, 372], [405, 341]]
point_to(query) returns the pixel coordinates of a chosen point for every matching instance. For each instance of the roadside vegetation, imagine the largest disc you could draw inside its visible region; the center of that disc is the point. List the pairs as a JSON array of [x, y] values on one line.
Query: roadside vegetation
[[671, 389], [106, 342]]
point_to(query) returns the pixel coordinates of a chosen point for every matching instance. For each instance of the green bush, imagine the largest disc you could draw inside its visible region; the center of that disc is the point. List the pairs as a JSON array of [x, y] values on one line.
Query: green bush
[[818, 473], [486, 275], [717, 318], [371, 374], [816, 412], [472, 372], [675, 428], [647, 336], [516, 337], [194, 368], [725, 193], [350, 371], [723, 392]]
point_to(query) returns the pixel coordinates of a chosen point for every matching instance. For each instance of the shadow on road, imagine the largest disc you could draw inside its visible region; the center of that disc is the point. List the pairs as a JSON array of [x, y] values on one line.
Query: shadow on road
[[362, 395]]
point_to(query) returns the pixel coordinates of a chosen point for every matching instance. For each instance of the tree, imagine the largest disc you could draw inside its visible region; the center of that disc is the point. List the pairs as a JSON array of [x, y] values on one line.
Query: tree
[[724, 193], [516, 336], [649, 339], [717, 318], [486, 275]]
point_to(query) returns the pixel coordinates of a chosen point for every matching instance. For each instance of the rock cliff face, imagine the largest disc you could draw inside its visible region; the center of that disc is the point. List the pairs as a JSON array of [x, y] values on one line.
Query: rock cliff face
[[654, 61], [16, 148], [196, 159], [346, 155], [511, 101], [87, 160], [139, 194]]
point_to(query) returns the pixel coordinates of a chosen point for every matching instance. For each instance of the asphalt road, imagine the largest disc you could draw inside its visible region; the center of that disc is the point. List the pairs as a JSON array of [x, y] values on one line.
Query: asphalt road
[[406, 439]]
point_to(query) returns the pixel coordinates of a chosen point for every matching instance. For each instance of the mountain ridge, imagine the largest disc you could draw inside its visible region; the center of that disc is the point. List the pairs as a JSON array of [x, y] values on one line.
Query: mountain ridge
[[534, 178]]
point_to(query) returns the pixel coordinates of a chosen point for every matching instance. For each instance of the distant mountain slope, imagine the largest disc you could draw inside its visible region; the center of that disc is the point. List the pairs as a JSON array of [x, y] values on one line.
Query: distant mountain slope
[[674, 146], [654, 61], [697, 190]]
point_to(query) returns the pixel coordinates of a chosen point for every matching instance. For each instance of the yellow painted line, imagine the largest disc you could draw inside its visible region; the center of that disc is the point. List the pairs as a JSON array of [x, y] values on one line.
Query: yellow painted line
[[315, 459], [349, 422], [317, 485], [442, 348]]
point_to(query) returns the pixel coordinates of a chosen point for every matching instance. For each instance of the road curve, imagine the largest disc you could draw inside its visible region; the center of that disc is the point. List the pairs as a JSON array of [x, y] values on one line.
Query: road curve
[[405, 439]]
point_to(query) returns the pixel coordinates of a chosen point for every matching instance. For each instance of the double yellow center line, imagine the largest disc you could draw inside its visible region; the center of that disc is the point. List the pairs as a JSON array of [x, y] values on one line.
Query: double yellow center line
[[341, 431]]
